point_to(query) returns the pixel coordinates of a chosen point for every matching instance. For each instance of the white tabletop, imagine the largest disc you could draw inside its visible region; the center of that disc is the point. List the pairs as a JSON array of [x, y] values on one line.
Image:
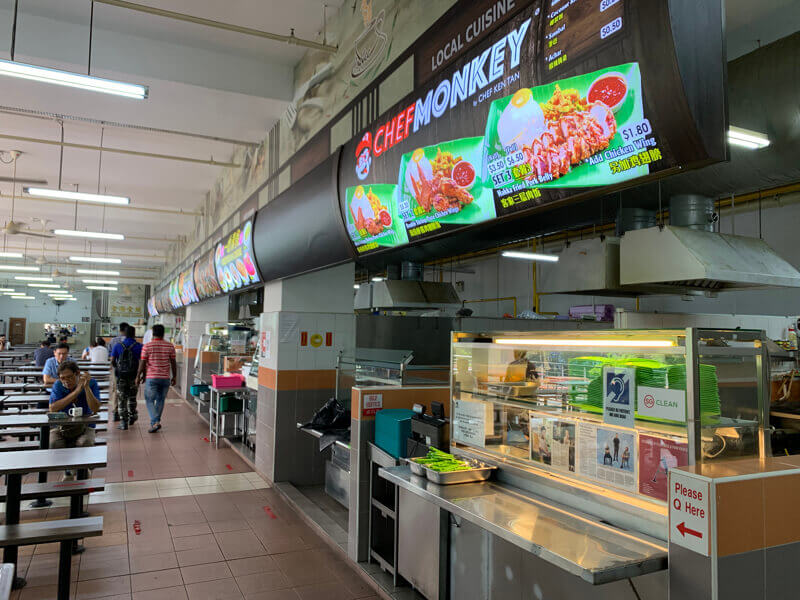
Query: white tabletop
[[32, 461]]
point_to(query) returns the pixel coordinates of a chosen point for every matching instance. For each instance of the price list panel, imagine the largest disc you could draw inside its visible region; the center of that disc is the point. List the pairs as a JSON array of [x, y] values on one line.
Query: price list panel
[[573, 28]]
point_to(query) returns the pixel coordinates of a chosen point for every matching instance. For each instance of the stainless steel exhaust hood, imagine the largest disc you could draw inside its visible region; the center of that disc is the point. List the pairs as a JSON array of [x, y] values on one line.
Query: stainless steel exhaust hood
[[689, 259], [396, 294]]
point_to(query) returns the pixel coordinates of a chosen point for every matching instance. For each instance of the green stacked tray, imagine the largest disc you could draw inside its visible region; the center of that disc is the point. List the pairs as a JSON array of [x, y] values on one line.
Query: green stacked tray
[[649, 373]]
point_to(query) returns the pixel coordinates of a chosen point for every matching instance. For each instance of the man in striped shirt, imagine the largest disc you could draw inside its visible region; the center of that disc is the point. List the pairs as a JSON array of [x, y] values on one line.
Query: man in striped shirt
[[157, 370]]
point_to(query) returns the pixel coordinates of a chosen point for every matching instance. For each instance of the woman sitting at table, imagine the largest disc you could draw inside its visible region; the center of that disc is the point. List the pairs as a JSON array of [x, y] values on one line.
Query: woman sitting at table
[[73, 390]]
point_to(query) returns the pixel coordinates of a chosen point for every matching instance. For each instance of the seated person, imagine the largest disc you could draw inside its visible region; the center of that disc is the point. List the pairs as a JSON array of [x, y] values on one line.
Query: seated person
[[4, 343], [50, 371], [98, 353], [43, 353], [87, 352], [73, 389]]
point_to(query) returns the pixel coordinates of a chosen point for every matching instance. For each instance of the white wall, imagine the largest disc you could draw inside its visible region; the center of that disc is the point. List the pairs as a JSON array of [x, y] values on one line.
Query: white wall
[[44, 311], [496, 277]]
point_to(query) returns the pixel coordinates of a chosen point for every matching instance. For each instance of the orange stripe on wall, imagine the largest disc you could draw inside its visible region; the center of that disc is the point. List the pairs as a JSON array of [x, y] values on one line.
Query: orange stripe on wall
[[287, 380], [191, 352], [400, 397], [267, 377]]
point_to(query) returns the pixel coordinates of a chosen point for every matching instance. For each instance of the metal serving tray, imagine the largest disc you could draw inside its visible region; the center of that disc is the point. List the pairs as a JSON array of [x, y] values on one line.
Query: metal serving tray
[[524, 389], [479, 472]]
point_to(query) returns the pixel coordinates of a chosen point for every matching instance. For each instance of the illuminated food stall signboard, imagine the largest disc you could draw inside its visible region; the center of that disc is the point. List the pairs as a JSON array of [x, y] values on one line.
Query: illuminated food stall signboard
[[234, 262]]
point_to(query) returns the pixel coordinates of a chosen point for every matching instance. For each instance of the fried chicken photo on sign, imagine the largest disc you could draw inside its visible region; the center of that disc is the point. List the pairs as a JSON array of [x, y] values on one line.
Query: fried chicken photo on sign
[[438, 190]]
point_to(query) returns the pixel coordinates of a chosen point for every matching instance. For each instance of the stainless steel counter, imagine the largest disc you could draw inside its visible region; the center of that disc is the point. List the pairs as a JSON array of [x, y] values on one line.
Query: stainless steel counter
[[575, 542], [318, 434]]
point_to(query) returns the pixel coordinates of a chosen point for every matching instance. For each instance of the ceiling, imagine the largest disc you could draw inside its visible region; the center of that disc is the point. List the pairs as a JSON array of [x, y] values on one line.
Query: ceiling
[[223, 88]]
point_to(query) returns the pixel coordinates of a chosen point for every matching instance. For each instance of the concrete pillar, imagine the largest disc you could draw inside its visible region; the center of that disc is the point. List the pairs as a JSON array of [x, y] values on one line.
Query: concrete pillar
[[308, 321], [197, 316]]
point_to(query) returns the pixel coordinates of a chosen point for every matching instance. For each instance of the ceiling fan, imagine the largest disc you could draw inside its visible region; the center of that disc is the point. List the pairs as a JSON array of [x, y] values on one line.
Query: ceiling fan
[[16, 228]]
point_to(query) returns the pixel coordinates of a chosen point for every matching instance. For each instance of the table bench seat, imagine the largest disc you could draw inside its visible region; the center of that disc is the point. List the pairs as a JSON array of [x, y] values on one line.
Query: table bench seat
[[14, 446], [66, 532], [57, 489]]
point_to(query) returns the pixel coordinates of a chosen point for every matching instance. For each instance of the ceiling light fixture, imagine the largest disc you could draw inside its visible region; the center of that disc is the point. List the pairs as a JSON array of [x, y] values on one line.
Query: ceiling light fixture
[[21, 268], [13, 293], [7, 290], [377, 279], [26, 278], [96, 272], [11, 255], [23, 297], [101, 281], [531, 256], [746, 138], [356, 286], [99, 235], [101, 287], [45, 285], [74, 80], [75, 196], [96, 259]]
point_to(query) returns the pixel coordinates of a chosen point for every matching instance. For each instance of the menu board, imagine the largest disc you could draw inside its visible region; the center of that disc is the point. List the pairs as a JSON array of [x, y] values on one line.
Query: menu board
[[559, 100], [234, 262], [161, 301], [151, 307], [175, 294], [205, 276], [186, 289]]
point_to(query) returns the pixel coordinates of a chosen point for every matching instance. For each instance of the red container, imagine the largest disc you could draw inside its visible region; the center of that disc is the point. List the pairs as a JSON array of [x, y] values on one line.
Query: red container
[[234, 380]]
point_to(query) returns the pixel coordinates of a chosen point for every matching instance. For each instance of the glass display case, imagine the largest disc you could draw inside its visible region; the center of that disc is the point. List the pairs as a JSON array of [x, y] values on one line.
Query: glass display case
[[609, 411]]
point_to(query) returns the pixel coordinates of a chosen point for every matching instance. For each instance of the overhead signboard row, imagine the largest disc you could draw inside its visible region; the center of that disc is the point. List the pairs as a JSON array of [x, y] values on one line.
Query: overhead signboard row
[[518, 105]]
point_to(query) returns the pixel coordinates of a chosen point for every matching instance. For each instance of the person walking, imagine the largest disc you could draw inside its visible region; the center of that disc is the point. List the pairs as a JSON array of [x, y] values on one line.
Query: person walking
[[158, 370], [125, 359], [43, 352], [112, 392]]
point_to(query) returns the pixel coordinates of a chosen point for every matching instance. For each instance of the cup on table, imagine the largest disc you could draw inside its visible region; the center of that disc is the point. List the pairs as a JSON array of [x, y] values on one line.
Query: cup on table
[[76, 411]]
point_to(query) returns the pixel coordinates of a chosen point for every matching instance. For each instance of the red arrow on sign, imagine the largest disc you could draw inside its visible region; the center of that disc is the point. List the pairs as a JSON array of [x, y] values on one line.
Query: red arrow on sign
[[684, 530]]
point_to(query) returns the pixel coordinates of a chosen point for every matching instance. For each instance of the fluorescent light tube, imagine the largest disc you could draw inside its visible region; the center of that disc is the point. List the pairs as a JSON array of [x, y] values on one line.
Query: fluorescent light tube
[[13, 293], [26, 278], [76, 196], [11, 255], [376, 279], [7, 290], [747, 138], [99, 235], [100, 287], [607, 343], [45, 285], [101, 281], [23, 297], [356, 286], [19, 268], [96, 272], [96, 259], [75, 80], [531, 256]]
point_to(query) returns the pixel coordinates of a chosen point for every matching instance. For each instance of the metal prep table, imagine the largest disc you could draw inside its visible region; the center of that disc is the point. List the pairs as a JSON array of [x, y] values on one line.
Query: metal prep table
[[575, 542]]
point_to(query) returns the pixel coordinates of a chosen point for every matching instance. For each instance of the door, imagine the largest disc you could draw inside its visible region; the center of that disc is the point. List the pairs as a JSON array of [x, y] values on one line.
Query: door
[[16, 331]]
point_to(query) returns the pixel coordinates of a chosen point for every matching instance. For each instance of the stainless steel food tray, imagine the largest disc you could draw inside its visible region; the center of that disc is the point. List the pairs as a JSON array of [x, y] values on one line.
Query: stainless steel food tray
[[524, 389], [416, 468], [479, 472]]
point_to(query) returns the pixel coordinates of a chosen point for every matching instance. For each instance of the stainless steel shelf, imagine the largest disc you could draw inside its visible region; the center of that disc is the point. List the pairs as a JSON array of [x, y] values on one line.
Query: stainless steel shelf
[[576, 542]]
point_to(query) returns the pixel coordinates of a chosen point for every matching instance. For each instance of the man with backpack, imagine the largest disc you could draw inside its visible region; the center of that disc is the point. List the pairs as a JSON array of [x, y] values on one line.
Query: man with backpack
[[125, 359]]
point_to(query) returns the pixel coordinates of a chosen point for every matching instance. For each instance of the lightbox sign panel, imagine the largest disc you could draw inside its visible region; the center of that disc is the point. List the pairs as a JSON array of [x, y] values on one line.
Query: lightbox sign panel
[[205, 276], [519, 105], [234, 261], [186, 289]]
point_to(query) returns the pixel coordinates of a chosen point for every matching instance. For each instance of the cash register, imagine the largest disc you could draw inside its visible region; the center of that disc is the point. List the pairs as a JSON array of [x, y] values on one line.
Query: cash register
[[428, 430]]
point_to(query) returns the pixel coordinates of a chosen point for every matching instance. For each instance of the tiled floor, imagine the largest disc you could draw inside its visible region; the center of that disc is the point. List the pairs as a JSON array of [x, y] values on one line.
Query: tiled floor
[[183, 521]]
